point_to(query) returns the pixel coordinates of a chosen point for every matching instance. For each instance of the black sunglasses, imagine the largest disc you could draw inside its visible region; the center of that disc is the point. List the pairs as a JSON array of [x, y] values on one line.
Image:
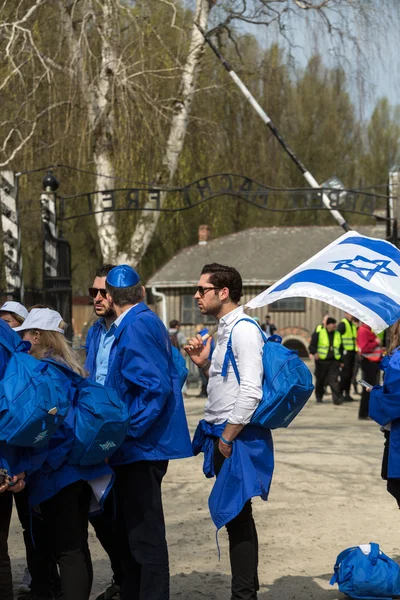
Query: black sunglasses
[[202, 290], [94, 291]]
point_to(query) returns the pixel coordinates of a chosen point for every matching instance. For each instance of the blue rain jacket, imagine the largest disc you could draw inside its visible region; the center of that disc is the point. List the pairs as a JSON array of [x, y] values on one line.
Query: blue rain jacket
[[15, 460], [384, 407], [245, 474], [91, 347], [51, 472], [143, 374]]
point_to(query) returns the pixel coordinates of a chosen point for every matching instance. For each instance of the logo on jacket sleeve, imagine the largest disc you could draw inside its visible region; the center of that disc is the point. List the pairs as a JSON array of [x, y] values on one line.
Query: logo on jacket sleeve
[[40, 436], [107, 445]]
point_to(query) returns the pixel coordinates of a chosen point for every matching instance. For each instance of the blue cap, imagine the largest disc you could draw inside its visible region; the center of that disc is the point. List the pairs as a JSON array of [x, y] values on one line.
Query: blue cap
[[122, 276]]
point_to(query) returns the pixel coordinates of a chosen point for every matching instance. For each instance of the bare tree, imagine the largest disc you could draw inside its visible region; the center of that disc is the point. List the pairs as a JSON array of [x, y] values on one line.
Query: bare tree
[[147, 222], [97, 91]]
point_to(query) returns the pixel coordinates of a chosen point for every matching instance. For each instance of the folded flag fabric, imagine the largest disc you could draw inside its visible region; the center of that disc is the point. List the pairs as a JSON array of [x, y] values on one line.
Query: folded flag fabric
[[359, 274]]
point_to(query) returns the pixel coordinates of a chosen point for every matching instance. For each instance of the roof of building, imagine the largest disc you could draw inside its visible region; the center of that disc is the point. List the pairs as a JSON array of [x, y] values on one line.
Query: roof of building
[[262, 255]]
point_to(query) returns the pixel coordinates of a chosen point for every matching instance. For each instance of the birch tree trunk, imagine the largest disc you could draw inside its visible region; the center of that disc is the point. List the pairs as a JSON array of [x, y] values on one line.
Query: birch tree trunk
[[97, 92], [147, 222]]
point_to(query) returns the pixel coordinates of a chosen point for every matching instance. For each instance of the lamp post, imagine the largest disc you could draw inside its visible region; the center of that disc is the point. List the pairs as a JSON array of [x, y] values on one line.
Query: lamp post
[[57, 288]]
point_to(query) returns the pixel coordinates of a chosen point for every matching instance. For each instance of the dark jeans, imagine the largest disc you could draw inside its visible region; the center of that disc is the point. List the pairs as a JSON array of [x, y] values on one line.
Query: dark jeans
[[141, 527], [6, 586], [243, 546], [66, 516], [41, 563], [370, 373], [105, 526], [346, 374], [327, 373]]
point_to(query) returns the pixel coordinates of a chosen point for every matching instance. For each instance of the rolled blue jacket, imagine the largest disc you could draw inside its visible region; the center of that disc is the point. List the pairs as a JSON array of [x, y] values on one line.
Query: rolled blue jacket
[[142, 372], [51, 472], [384, 407], [245, 474]]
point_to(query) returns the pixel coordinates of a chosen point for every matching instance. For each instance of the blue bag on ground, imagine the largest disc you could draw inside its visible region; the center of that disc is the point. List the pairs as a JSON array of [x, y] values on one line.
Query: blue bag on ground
[[366, 573], [32, 404], [180, 365], [287, 382], [101, 421]]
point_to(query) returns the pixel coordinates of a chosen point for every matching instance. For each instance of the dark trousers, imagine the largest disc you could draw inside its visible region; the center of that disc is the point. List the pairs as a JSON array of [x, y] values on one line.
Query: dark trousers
[[327, 373], [6, 586], [370, 373], [66, 516], [243, 546], [141, 526], [346, 374], [393, 485], [40, 560], [105, 526]]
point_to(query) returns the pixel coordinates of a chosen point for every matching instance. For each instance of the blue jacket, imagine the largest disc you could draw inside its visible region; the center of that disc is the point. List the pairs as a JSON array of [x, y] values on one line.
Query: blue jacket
[[14, 459], [384, 407], [51, 472], [245, 474], [92, 346], [143, 374]]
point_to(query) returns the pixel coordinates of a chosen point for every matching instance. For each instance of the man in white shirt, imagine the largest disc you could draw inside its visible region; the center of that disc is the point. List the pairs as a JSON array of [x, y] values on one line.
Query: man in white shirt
[[230, 403]]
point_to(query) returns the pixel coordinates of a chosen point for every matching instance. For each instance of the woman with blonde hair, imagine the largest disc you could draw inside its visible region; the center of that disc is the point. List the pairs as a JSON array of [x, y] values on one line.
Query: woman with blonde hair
[[62, 490], [40, 579]]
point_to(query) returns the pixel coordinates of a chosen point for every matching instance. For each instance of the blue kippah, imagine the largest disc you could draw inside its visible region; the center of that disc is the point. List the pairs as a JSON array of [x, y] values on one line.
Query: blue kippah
[[122, 276]]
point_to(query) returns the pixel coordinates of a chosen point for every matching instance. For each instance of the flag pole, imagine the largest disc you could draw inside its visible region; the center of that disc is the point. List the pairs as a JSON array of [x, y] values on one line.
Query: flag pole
[[261, 112]]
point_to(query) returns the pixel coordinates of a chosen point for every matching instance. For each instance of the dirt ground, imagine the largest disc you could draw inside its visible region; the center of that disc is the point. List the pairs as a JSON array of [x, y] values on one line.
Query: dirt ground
[[326, 495]]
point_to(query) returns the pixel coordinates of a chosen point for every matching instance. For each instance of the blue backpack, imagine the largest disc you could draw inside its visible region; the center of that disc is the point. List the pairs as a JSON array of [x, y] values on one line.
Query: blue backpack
[[101, 420], [372, 576], [287, 382], [180, 365], [32, 404]]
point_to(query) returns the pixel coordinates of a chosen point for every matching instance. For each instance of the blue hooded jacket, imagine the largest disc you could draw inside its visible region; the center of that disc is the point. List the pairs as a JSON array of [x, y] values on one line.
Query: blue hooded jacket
[[143, 374], [245, 474], [15, 460], [51, 471], [384, 407]]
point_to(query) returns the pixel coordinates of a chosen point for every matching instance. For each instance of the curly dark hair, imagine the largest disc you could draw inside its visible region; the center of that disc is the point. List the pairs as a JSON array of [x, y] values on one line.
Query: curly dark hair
[[222, 276]]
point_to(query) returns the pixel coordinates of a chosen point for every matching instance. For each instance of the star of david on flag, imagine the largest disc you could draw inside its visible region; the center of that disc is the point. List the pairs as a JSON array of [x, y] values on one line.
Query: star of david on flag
[[359, 274]]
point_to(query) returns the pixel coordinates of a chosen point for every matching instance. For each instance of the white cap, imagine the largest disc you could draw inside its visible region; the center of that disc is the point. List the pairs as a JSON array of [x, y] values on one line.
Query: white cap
[[42, 318], [16, 308]]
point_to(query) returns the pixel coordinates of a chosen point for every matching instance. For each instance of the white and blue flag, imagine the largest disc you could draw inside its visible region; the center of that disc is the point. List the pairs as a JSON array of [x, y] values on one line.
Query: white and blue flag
[[359, 274]]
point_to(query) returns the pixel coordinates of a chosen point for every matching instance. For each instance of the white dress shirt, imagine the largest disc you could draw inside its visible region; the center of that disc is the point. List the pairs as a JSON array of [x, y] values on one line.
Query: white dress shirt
[[227, 400]]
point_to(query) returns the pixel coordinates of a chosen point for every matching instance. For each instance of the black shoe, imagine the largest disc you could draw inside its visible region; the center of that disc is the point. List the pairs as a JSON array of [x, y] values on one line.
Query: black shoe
[[319, 400], [338, 401], [348, 398], [111, 593]]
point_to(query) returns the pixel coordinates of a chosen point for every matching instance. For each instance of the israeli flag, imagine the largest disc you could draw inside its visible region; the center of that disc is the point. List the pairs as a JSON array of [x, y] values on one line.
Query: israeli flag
[[359, 274]]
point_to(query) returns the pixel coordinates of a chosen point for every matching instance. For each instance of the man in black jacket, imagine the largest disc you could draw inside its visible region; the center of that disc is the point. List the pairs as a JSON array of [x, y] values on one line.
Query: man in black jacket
[[326, 348], [268, 327]]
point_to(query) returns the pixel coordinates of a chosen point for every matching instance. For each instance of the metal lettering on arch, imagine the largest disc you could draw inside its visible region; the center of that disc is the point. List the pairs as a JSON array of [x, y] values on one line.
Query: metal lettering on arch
[[156, 198]]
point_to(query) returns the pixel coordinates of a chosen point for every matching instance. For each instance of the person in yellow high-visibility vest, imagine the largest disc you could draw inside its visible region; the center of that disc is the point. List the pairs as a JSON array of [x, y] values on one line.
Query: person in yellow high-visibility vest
[[326, 348], [348, 331]]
